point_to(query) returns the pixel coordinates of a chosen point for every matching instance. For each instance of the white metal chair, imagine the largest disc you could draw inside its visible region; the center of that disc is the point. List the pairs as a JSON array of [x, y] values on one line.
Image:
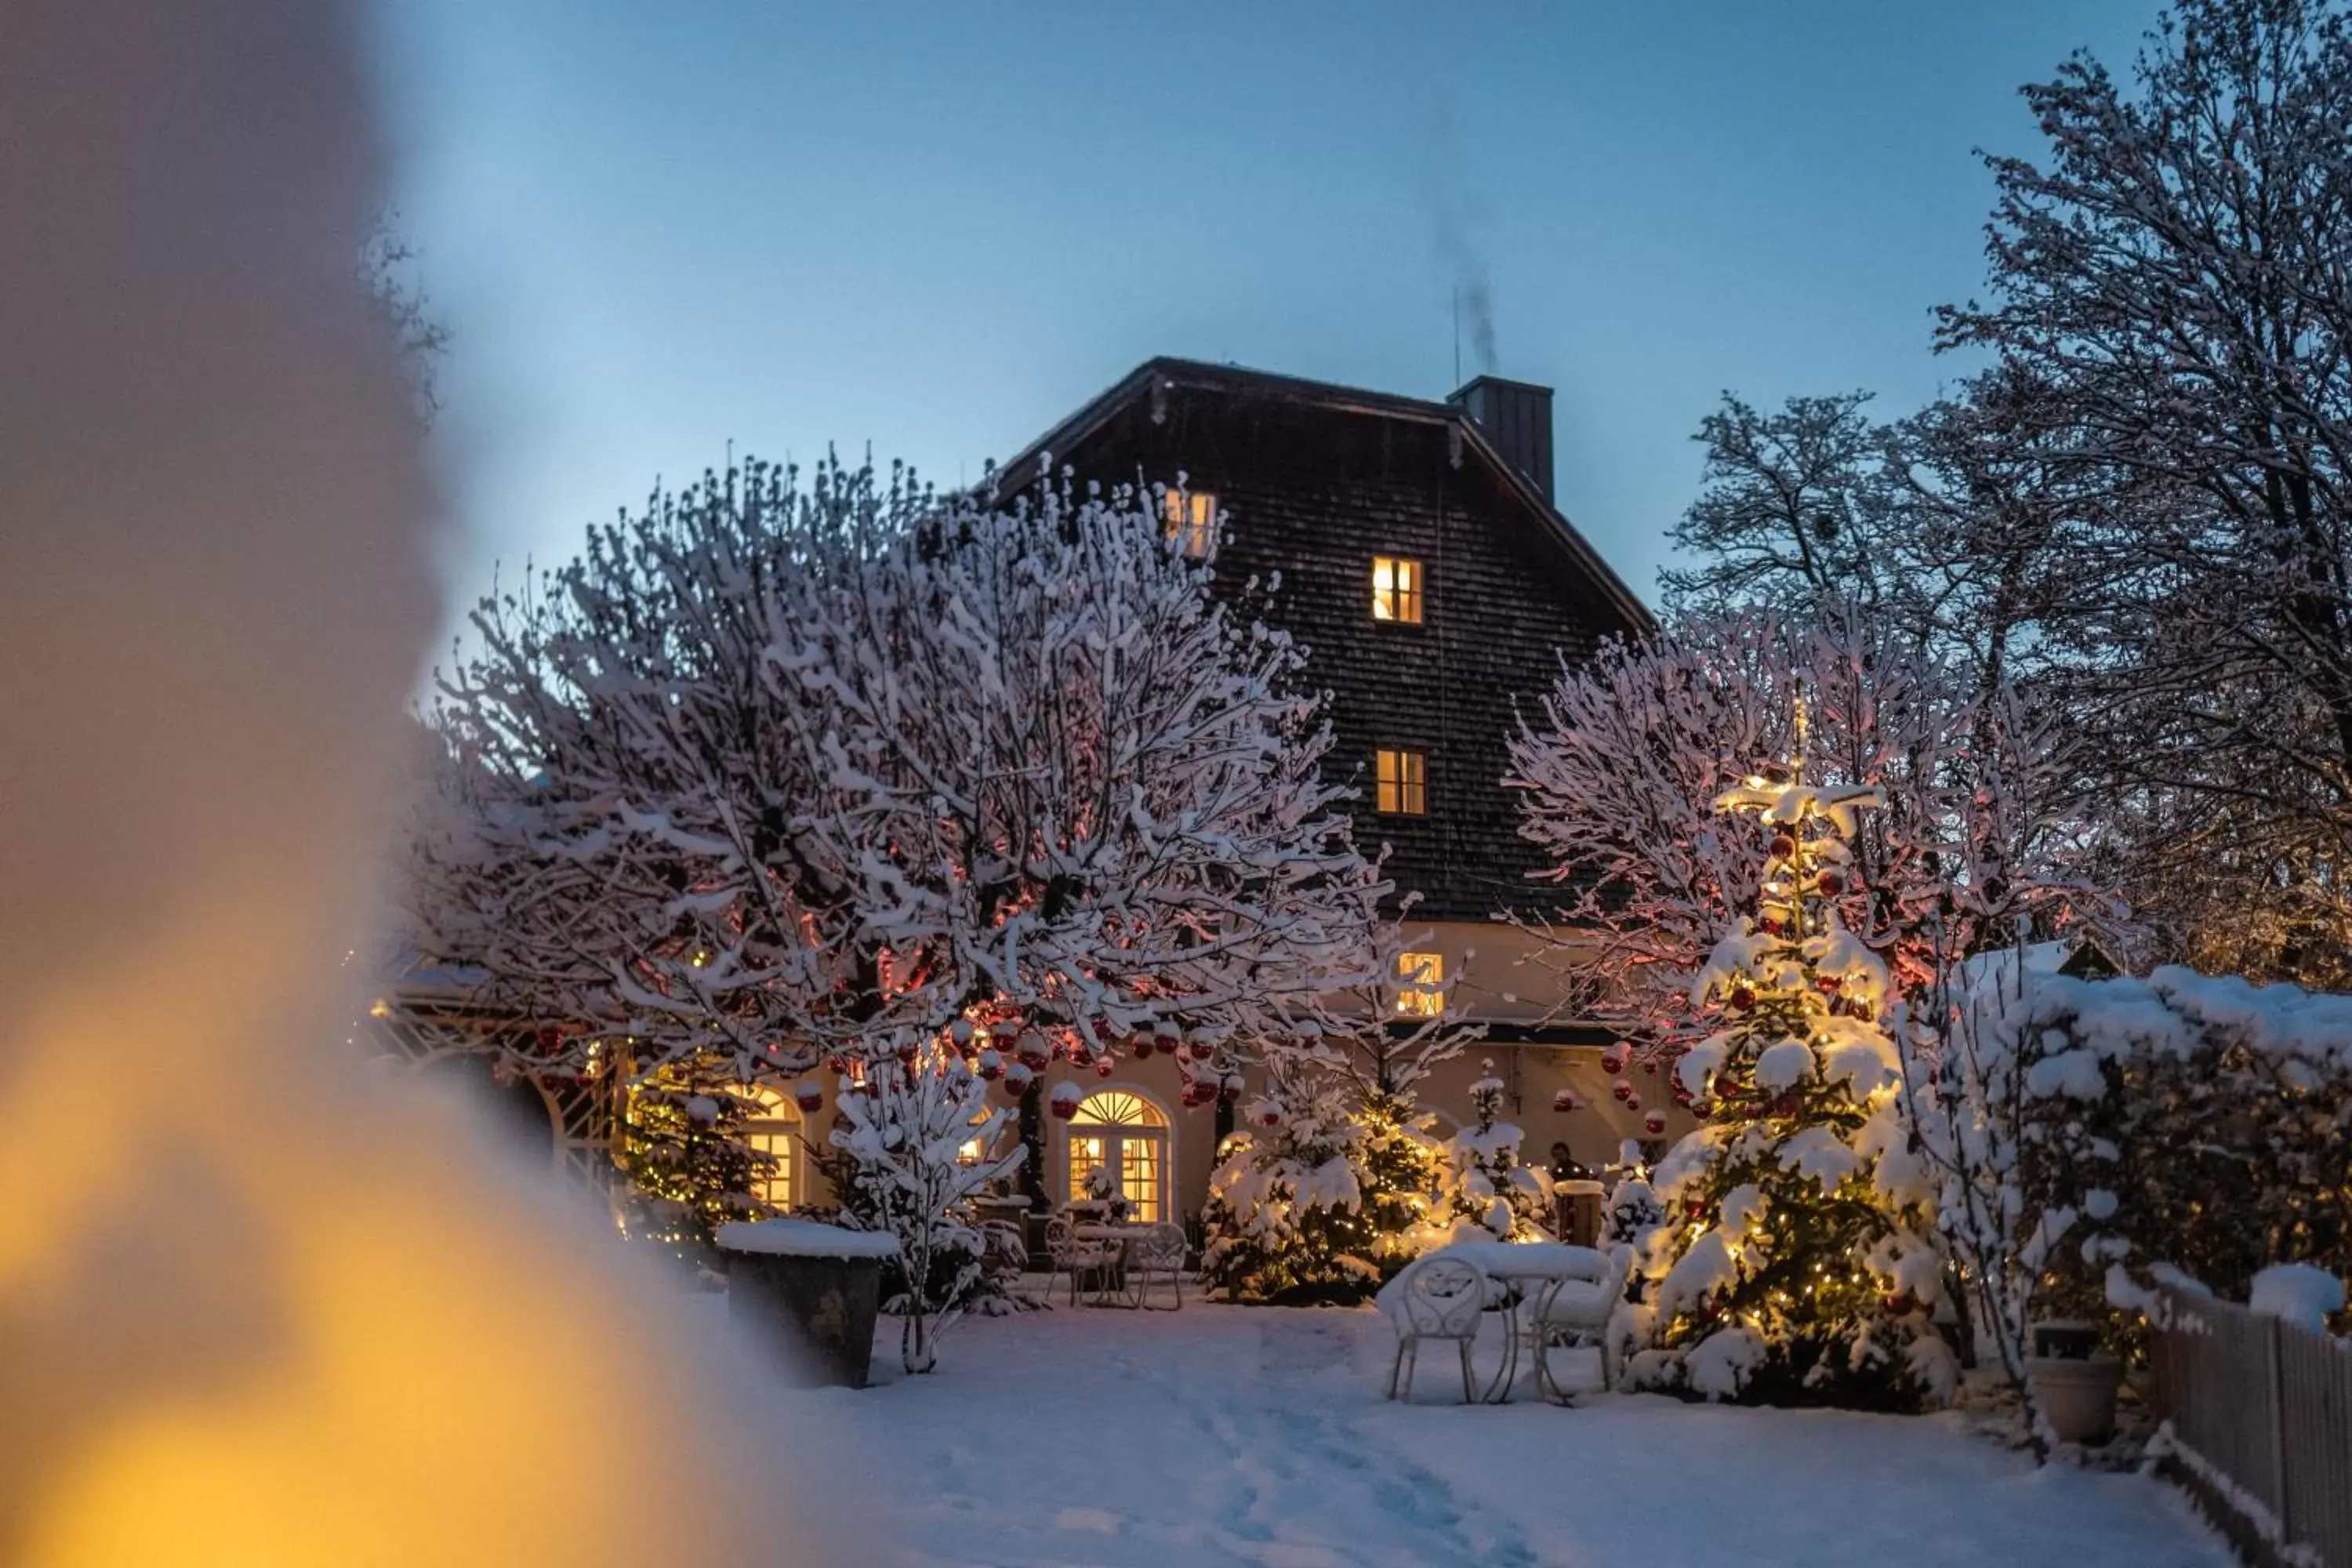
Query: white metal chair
[[1436, 1298], [1088, 1263], [1156, 1253], [1581, 1308]]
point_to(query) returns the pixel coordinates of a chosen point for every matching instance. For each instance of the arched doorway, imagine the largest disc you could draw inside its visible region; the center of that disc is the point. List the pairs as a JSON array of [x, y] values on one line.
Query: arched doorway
[[1124, 1130]]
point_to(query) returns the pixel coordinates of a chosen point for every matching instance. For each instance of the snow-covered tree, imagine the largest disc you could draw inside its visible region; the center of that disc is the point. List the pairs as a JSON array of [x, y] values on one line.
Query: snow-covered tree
[[794, 772], [1623, 768], [1488, 1188], [903, 1130], [1799, 1264], [2170, 275]]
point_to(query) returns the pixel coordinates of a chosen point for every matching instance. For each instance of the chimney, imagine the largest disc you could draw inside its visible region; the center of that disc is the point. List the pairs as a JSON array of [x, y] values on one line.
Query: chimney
[[1515, 416]]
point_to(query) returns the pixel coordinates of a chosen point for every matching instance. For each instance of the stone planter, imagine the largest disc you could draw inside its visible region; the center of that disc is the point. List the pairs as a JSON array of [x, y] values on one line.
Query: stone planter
[[816, 1287], [2077, 1396]]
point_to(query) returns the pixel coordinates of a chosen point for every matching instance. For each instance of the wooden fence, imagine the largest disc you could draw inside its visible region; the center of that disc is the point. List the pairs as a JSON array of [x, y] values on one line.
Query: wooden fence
[[2263, 1411]]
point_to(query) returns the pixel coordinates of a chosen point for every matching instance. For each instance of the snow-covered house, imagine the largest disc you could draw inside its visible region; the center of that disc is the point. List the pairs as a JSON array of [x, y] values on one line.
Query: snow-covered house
[[1423, 560]]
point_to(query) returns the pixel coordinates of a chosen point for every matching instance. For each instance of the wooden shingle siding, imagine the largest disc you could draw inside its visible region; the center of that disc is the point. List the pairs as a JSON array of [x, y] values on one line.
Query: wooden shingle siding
[[1313, 491]]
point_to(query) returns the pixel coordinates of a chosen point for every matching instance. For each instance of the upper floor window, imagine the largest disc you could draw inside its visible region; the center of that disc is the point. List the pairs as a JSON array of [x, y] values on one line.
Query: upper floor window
[[1191, 520], [1400, 781], [1396, 589], [1420, 985]]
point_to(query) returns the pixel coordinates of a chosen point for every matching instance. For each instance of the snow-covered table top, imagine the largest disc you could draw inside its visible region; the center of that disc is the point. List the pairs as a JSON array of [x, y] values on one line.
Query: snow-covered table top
[[1527, 1259], [1104, 1232], [804, 1238]]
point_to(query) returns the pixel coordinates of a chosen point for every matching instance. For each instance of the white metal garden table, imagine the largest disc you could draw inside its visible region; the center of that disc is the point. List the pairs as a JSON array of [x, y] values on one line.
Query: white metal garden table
[[1533, 1271]]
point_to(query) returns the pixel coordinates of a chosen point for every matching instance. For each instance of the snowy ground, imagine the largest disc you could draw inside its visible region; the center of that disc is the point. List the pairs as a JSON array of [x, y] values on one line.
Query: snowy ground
[[1229, 1435]]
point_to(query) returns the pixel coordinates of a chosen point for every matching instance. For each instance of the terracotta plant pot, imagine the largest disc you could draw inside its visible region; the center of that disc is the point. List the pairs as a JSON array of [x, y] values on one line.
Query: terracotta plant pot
[[2078, 1396]]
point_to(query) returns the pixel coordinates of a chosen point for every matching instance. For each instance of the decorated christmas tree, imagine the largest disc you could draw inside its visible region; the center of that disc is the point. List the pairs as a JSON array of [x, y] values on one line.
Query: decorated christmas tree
[[1794, 1267], [1490, 1189]]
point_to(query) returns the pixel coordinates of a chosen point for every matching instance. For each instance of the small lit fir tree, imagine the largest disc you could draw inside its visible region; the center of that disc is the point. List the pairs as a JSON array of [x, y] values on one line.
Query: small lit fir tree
[[1794, 1267], [683, 1152], [1489, 1188], [1321, 1199]]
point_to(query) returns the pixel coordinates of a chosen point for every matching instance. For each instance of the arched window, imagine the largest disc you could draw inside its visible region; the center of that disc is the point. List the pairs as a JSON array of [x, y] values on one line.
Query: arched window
[[774, 1130], [1120, 1129]]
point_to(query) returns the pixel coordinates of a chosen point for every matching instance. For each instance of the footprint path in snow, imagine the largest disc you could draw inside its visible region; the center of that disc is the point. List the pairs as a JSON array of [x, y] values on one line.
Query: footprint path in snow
[[1301, 1475]]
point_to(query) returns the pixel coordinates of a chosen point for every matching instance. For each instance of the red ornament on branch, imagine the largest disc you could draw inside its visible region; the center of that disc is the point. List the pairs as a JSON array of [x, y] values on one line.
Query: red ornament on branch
[[1622, 1090], [809, 1095], [1742, 998], [1064, 1101], [1783, 847], [1655, 1123], [1018, 1077], [1613, 1060], [1830, 882], [1566, 1101]]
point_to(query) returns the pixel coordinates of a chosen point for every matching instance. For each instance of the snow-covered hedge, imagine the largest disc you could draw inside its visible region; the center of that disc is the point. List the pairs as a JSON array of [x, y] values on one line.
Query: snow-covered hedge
[[2121, 1127]]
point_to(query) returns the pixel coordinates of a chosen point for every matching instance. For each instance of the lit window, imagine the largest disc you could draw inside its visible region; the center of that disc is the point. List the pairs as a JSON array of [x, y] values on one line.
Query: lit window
[[773, 1134], [1420, 985], [968, 1153], [1192, 519], [1400, 781], [1396, 589]]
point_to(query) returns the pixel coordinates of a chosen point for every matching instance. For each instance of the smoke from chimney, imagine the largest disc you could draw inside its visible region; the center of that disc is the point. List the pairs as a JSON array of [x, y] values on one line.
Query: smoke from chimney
[[1456, 213]]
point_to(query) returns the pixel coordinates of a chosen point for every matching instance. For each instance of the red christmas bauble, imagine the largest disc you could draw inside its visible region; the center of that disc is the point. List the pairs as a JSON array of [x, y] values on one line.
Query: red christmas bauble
[[1140, 1046], [1769, 925], [1632, 1103], [1702, 1108], [1655, 1123], [1102, 1068], [1621, 1090], [1783, 847], [808, 1096], [1650, 1067], [1742, 998], [1787, 1105], [1829, 984], [1694, 1210], [1901, 1304], [1831, 883], [1613, 1060], [1566, 1101], [1270, 1118]]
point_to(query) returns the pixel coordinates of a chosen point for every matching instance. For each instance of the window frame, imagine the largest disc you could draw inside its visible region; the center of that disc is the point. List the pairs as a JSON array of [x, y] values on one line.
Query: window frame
[[1189, 517], [1403, 791], [1420, 984], [1403, 600]]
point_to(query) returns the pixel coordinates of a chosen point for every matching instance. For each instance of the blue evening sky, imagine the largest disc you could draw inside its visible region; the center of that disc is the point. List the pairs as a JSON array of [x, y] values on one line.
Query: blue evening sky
[[935, 228]]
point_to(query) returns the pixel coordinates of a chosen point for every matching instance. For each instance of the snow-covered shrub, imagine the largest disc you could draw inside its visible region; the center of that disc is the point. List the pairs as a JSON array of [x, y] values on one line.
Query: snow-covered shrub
[[2122, 1128], [1487, 1188], [900, 1138]]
